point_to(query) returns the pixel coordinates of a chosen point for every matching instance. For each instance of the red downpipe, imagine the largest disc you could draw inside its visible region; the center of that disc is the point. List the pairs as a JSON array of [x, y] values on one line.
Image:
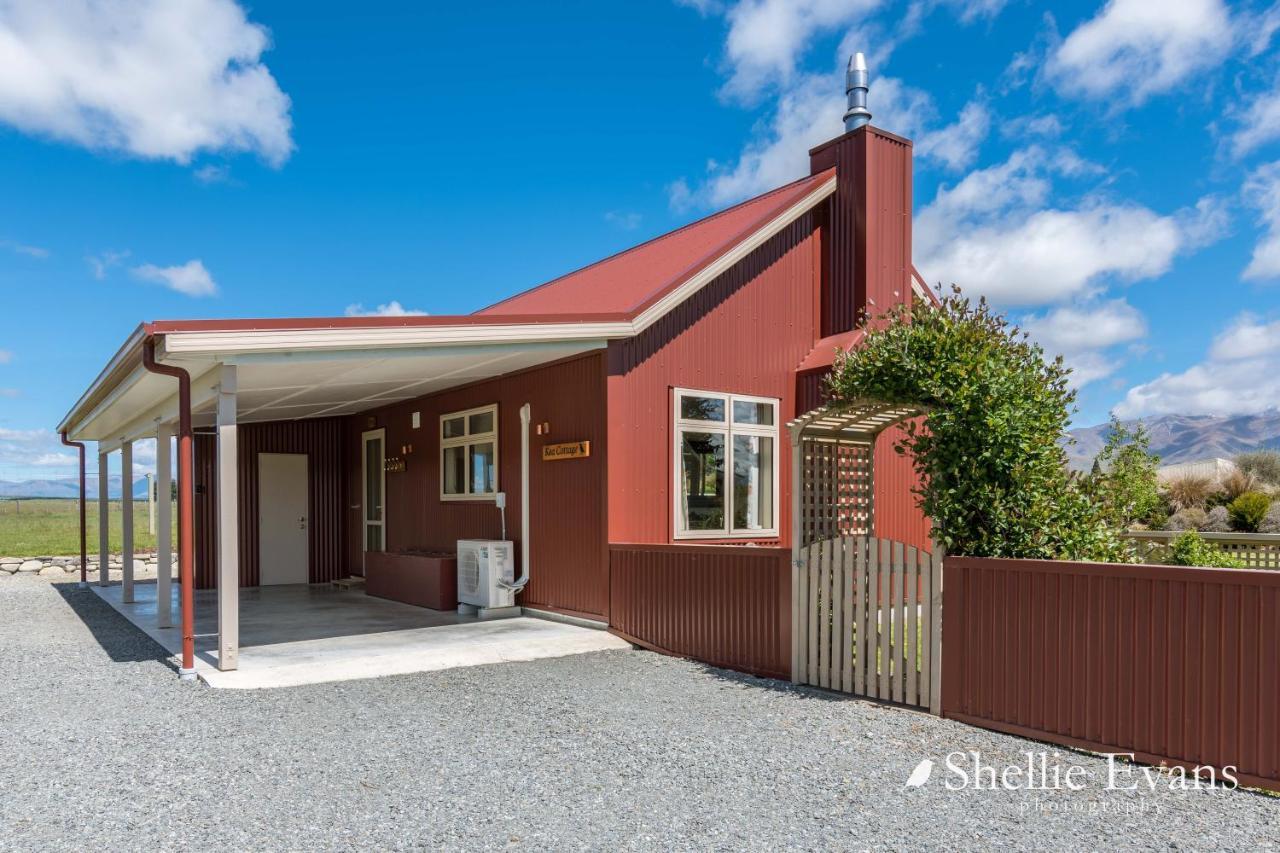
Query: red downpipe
[[84, 544], [186, 502]]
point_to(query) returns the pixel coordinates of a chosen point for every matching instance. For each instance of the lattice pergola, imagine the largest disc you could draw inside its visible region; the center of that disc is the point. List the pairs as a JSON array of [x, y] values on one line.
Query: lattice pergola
[[833, 470]]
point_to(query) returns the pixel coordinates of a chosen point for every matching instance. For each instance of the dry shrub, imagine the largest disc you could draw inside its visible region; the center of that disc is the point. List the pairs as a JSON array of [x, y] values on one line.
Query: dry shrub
[[1187, 491], [1217, 520], [1271, 524], [1236, 483], [1189, 518]]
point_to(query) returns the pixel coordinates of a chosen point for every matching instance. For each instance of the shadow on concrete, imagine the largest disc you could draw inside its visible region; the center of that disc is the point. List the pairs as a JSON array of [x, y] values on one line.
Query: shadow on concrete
[[122, 642]]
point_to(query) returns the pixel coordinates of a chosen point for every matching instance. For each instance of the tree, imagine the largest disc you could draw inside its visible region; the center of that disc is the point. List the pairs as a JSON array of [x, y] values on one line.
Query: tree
[[1124, 476], [994, 476]]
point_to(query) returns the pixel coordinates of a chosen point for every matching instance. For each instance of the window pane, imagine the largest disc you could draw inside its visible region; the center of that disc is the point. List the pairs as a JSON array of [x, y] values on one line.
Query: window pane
[[701, 409], [752, 482], [373, 479], [747, 412], [455, 427], [481, 423], [455, 470], [482, 473], [702, 480], [372, 538]]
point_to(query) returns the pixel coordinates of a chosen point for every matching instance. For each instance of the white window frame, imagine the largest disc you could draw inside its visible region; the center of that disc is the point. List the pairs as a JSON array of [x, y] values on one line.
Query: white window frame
[[466, 440], [728, 429]]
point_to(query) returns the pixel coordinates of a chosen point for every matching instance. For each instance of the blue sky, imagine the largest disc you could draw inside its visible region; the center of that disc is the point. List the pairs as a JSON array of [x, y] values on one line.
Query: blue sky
[[1109, 173]]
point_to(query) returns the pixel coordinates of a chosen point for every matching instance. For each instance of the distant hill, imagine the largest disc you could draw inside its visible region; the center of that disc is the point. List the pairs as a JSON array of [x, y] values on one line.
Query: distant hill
[[67, 487], [1187, 438]]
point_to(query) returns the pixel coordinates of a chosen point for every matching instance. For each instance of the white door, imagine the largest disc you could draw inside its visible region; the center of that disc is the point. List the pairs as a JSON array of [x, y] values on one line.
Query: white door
[[282, 518], [375, 487]]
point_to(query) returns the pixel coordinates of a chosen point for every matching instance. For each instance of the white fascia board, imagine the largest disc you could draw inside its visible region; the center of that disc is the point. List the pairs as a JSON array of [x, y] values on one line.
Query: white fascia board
[[203, 389], [126, 350], [286, 340], [726, 261]]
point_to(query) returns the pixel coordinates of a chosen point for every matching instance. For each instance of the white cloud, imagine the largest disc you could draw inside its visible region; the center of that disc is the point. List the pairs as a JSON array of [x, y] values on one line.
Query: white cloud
[[1262, 192], [1082, 333], [1133, 49], [1241, 376], [191, 278], [10, 392], [390, 309], [100, 264], [1246, 337], [956, 145], [23, 249], [766, 38], [212, 174], [153, 78], [624, 219], [1259, 123], [5, 356], [996, 234]]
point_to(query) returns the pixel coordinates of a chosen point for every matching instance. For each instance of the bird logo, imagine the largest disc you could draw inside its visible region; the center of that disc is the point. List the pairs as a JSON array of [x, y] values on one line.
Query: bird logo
[[921, 774]]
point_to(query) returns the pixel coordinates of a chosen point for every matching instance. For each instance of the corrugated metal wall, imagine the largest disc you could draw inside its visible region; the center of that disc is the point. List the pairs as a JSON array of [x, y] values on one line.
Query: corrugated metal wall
[[567, 512], [322, 441], [870, 225], [744, 333], [1177, 665], [727, 606]]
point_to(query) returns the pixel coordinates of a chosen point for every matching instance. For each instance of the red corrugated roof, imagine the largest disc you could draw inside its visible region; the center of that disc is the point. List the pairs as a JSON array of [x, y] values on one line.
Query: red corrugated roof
[[630, 281]]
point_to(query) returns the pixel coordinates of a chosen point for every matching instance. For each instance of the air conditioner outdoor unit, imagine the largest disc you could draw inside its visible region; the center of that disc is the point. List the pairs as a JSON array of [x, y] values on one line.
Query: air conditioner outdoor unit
[[483, 566]]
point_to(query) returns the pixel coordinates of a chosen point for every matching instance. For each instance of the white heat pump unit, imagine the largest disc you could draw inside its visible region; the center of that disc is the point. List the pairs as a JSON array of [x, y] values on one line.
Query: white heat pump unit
[[483, 566]]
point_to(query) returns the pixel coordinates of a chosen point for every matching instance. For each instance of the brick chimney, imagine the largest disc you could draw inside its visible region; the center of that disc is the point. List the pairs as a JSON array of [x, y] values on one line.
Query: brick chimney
[[867, 234]]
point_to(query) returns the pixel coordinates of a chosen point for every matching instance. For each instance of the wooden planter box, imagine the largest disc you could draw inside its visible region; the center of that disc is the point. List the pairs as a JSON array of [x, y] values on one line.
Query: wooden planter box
[[424, 579]]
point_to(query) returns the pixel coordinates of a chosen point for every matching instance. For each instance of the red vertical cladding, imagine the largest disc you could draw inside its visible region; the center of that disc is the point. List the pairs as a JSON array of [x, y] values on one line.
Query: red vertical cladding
[[898, 514], [744, 333], [870, 245], [206, 510], [568, 550], [322, 441]]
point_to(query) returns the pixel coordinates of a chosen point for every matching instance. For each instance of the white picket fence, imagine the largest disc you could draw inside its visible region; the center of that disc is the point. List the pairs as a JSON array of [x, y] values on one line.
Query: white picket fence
[[868, 616]]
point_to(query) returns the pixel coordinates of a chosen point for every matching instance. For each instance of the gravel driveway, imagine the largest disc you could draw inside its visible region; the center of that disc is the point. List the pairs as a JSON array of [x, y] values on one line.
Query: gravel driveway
[[102, 748]]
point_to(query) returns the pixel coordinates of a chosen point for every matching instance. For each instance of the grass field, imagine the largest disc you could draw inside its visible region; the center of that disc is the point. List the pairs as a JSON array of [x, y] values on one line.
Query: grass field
[[31, 528]]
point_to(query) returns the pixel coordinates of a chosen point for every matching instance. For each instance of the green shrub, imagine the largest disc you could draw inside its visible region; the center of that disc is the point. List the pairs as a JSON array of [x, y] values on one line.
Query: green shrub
[[1123, 481], [1248, 511], [994, 478], [1190, 549], [1263, 464]]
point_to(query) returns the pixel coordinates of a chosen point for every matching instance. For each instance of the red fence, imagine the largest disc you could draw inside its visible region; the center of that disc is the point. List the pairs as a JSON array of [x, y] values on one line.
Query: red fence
[[1176, 665], [729, 606]]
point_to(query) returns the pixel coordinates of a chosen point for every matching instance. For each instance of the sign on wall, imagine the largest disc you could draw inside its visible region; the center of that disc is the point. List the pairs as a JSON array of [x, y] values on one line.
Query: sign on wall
[[567, 450]]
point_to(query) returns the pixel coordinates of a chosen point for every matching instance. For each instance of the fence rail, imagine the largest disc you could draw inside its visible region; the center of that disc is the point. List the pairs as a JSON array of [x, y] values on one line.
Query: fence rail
[[867, 620], [1175, 665], [1255, 550]]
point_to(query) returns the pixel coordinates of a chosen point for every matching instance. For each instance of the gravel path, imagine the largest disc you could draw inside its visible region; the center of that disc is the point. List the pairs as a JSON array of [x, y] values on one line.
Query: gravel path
[[102, 748]]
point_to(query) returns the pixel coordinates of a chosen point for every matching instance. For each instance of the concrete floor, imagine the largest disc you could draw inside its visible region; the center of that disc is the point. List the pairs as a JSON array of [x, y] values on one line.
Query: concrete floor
[[292, 635]]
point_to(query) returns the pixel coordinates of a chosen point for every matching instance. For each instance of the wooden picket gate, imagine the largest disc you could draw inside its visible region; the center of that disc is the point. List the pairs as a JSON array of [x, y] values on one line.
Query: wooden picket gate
[[868, 620]]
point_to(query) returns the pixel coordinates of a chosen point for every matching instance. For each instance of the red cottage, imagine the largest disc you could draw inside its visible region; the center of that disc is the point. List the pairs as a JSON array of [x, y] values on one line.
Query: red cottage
[[623, 425]]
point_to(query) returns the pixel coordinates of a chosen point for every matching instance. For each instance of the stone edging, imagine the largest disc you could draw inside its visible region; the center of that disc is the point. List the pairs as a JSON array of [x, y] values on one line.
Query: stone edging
[[60, 567]]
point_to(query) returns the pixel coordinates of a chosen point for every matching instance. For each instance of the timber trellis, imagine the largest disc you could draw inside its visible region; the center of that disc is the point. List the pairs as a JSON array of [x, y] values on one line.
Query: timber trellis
[[866, 611]]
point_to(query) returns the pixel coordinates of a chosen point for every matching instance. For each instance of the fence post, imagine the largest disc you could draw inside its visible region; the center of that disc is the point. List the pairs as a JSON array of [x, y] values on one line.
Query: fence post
[[798, 598], [935, 634]]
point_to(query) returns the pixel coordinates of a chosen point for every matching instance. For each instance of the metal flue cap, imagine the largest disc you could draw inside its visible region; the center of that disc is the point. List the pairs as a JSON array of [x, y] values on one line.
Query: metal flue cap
[[855, 87]]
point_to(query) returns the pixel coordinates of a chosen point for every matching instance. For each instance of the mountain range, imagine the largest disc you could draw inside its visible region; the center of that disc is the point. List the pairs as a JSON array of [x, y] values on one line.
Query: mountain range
[[68, 487], [1186, 438]]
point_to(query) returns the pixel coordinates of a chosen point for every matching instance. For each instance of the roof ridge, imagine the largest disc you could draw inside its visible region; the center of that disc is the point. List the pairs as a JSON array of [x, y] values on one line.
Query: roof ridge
[[664, 235]]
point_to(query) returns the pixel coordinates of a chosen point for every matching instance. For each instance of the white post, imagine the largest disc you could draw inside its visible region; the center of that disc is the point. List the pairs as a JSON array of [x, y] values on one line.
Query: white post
[[104, 521], [228, 531], [164, 530], [798, 611], [126, 520], [151, 505]]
